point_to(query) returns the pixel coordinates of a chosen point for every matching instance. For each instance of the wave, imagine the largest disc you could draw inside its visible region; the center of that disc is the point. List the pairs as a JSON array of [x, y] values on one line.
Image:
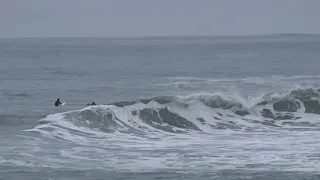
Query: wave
[[245, 80], [292, 110]]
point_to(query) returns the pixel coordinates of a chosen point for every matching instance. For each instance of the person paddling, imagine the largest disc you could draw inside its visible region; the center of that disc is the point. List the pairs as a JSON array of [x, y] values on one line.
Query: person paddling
[[93, 103], [57, 103]]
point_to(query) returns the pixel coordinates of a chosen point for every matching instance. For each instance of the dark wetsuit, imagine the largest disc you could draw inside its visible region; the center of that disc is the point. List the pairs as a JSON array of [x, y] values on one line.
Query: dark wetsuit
[[57, 103]]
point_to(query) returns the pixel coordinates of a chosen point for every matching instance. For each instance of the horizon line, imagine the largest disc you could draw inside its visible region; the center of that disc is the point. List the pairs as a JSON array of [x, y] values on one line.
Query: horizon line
[[162, 36]]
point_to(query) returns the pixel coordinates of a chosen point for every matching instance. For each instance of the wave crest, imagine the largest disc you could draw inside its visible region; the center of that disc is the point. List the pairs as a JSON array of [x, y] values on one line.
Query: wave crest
[[201, 113]]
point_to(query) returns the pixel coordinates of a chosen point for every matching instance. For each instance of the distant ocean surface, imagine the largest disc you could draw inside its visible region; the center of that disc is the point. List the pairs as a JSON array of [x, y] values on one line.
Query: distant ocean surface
[[189, 108]]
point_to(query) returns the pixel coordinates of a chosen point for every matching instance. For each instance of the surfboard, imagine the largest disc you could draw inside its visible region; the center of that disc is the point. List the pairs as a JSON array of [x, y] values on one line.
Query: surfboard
[[63, 103]]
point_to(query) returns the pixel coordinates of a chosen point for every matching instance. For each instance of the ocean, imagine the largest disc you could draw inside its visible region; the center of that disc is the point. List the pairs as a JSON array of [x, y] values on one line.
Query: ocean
[[189, 108]]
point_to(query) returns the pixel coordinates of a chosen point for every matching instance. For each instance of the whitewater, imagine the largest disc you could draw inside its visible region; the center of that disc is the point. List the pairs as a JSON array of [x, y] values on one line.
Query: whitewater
[[152, 120], [202, 125]]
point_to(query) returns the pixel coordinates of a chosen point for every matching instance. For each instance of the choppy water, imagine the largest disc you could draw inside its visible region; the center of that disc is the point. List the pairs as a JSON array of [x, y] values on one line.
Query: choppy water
[[168, 108]]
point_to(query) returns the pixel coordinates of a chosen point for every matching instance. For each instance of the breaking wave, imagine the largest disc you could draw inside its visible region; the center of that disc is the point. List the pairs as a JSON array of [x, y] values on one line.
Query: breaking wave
[[295, 109]]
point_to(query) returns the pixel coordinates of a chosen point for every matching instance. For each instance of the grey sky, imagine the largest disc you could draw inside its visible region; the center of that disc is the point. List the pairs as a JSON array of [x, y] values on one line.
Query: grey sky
[[30, 18]]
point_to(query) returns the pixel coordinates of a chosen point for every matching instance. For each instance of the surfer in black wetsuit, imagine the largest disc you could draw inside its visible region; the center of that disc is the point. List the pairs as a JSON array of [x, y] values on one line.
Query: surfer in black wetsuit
[[93, 103], [57, 103]]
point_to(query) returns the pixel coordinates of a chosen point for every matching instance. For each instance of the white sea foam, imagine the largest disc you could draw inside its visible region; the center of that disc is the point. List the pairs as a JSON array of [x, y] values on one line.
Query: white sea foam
[[244, 142]]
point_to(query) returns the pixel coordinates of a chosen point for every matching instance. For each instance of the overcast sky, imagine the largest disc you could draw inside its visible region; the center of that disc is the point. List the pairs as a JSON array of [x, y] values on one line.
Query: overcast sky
[[33, 18]]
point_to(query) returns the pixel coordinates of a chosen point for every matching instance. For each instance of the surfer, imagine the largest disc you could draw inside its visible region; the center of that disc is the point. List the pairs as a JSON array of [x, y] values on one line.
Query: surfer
[[93, 103], [57, 103]]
